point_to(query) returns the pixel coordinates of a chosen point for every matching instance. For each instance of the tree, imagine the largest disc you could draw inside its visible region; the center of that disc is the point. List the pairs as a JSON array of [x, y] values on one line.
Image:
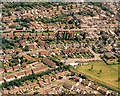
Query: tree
[[84, 35], [60, 77], [100, 70], [91, 66]]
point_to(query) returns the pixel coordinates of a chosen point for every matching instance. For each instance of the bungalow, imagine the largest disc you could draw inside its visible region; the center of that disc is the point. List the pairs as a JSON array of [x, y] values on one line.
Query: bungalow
[[8, 69], [17, 67], [28, 72], [49, 62], [39, 69], [10, 35], [19, 74], [7, 57], [9, 78], [109, 55]]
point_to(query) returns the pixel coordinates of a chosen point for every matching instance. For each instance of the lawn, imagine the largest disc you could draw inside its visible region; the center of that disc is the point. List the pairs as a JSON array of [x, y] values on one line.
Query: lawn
[[108, 75]]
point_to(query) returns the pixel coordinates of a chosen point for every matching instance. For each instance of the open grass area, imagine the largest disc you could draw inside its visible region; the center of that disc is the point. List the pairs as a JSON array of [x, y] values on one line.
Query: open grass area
[[108, 75]]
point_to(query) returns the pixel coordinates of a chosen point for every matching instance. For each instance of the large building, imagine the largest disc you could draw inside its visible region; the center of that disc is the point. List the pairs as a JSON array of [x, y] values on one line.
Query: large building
[[49, 62]]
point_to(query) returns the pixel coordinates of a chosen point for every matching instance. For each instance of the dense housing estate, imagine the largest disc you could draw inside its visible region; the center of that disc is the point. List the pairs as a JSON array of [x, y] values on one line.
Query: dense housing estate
[[60, 48]]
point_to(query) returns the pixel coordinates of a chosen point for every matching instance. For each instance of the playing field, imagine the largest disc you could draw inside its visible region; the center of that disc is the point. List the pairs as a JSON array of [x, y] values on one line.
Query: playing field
[[109, 73]]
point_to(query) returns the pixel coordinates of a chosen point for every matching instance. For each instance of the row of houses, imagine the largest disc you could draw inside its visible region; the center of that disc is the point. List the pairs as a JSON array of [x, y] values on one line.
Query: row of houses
[[50, 35], [23, 73], [91, 85]]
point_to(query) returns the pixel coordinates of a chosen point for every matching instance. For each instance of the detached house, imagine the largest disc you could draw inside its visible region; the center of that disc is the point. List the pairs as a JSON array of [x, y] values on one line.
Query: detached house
[[19, 74]]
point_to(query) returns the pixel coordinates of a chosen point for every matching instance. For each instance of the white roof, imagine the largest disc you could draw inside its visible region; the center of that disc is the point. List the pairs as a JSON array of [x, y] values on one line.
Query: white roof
[[73, 64]]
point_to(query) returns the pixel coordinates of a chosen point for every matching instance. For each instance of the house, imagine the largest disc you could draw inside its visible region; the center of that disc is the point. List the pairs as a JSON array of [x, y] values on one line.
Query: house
[[103, 91], [33, 35], [31, 46], [5, 18], [39, 34], [17, 34], [29, 58], [45, 35], [24, 65], [109, 55], [35, 25], [8, 69], [9, 78], [13, 17], [59, 7], [28, 72], [1, 80], [103, 50], [43, 53], [86, 83], [18, 50], [54, 8], [7, 57], [39, 69], [68, 86], [95, 87], [8, 51], [25, 35], [51, 35], [4, 35], [49, 62], [10, 35], [17, 67], [19, 74]]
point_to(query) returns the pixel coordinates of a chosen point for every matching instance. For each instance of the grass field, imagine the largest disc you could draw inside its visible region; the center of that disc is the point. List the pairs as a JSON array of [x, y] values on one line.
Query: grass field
[[108, 75]]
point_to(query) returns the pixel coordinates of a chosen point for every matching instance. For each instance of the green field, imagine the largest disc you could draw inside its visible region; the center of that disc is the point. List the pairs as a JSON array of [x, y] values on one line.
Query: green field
[[108, 75]]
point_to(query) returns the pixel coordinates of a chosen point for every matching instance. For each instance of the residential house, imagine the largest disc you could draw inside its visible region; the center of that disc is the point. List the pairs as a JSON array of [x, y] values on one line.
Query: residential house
[[103, 91], [8, 51], [109, 55], [49, 62], [1, 80], [9, 78], [18, 50], [28, 72], [43, 53], [17, 67], [20, 74], [17, 34], [31, 46], [24, 65], [25, 35], [39, 69], [33, 35], [95, 87]]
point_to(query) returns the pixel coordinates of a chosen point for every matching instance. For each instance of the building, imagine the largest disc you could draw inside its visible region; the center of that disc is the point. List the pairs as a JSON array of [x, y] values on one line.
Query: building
[[49, 62], [9, 78], [19, 74], [109, 55], [39, 69]]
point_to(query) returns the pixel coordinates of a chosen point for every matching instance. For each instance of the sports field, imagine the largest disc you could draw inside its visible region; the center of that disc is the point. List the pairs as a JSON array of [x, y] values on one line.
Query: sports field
[[109, 73]]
